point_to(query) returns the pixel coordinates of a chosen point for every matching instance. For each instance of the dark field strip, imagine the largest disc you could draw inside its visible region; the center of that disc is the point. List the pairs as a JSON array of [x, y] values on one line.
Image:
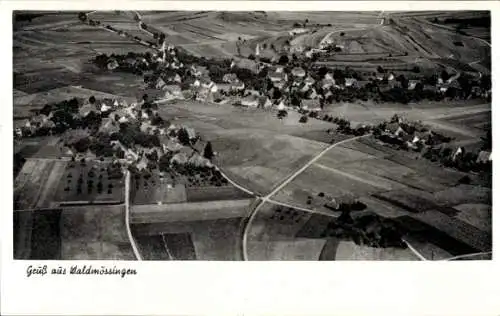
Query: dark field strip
[[180, 246], [215, 193], [413, 204], [425, 232], [46, 235], [472, 236], [152, 247], [23, 224]]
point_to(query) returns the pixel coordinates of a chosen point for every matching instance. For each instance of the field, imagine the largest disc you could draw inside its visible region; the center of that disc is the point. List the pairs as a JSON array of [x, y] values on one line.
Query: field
[[279, 233], [394, 184], [179, 212], [91, 175], [90, 233], [187, 231], [36, 183], [201, 240], [94, 233], [51, 61], [235, 133], [188, 218]]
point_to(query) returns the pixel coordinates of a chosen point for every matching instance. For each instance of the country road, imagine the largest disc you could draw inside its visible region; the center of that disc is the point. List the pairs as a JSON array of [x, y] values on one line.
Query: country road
[[282, 185], [127, 217]]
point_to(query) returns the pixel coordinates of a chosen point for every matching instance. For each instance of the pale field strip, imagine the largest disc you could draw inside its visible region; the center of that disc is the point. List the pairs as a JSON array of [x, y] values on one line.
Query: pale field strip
[[49, 187], [210, 210]]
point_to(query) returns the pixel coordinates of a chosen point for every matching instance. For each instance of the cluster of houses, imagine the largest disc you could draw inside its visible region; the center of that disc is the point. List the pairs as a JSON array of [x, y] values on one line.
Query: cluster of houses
[[114, 113], [412, 135], [29, 126], [137, 155]]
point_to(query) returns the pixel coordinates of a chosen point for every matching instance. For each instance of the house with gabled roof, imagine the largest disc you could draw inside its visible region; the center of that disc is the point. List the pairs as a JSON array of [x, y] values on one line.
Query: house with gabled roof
[[276, 76], [86, 109], [108, 126], [484, 157], [412, 84], [230, 78], [298, 72], [351, 82], [160, 83], [264, 102], [250, 101]]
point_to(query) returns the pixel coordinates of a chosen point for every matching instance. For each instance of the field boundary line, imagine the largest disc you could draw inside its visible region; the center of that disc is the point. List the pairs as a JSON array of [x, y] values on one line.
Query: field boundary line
[[468, 255], [127, 217], [415, 252], [166, 248]]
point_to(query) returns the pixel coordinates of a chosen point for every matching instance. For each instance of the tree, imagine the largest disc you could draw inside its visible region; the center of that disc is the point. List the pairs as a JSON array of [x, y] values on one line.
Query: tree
[[208, 152], [445, 75], [283, 60], [342, 33], [92, 100], [303, 119], [380, 69], [82, 16], [282, 114], [183, 137]]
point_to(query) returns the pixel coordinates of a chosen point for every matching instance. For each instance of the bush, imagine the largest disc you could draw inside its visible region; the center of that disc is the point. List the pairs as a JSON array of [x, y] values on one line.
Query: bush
[[303, 119]]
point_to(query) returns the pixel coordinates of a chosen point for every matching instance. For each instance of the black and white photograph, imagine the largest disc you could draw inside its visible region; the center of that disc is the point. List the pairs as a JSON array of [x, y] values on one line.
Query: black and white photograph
[[252, 135]]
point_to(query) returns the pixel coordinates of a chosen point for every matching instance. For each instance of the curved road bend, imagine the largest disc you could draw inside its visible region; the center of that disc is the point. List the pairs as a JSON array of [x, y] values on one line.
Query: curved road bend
[[127, 217], [289, 179]]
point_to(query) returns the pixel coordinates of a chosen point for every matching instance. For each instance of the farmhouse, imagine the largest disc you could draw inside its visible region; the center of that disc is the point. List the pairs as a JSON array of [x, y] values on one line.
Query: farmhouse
[[175, 78], [412, 84], [199, 161], [113, 64], [277, 76], [160, 83], [173, 92], [108, 126], [298, 72], [169, 145], [250, 101], [237, 86], [458, 152], [264, 102], [86, 109], [142, 164], [230, 78], [483, 157], [191, 132], [309, 81], [351, 82], [105, 108], [179, 158]]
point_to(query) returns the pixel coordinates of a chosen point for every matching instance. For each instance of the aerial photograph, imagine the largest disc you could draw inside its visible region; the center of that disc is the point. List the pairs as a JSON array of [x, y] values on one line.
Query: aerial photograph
[[252, 135]]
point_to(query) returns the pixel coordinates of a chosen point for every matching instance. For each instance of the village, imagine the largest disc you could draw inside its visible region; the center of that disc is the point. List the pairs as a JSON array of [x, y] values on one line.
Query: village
[[201, 145], [137, 137]]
